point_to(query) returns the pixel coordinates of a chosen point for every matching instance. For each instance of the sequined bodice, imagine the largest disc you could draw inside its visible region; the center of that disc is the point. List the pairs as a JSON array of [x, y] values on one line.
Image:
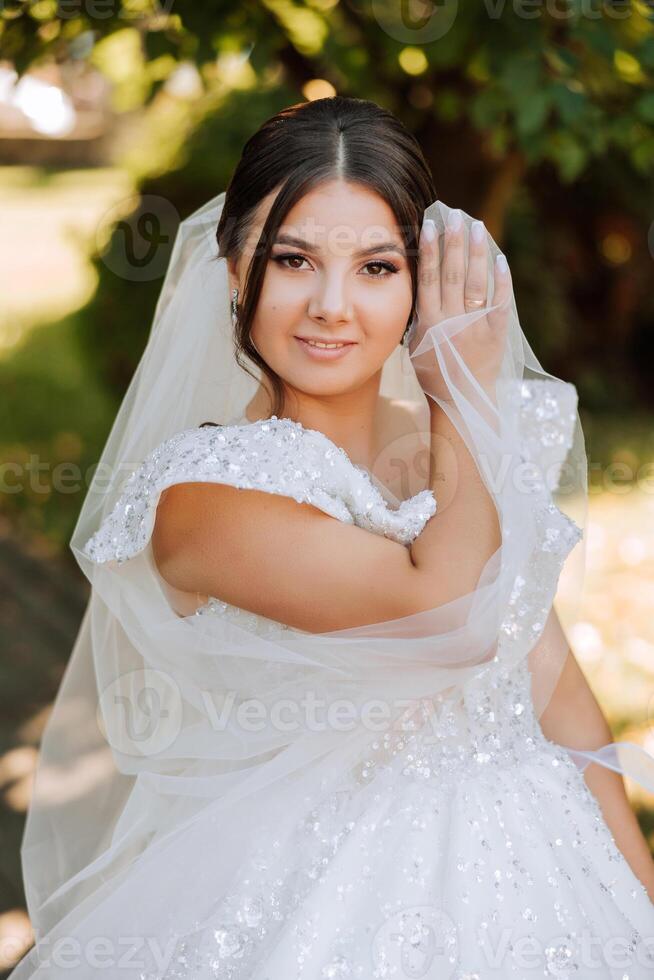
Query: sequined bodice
[[276, 455], [363, 500]]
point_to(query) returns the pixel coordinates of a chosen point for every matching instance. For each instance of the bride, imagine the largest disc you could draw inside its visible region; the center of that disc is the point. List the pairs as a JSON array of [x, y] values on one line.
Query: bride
[[321, 719]]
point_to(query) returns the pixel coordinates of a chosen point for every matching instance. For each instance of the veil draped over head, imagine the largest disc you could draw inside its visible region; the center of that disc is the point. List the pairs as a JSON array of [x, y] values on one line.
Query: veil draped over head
[[138, 746]]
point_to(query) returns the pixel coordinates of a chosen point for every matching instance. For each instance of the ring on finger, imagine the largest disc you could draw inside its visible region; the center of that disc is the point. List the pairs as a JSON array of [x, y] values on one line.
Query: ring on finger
[[473, 304]]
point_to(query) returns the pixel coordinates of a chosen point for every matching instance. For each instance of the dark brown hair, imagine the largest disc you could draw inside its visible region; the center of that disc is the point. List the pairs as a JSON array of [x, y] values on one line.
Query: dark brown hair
[[299, 148]]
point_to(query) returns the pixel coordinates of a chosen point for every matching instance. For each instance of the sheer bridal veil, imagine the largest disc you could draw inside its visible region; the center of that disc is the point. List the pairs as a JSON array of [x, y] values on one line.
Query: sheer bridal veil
[[137, 746]]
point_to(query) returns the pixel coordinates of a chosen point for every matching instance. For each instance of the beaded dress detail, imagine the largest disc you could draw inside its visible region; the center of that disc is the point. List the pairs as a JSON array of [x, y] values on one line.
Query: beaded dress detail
[[277, 455], [466, 846]]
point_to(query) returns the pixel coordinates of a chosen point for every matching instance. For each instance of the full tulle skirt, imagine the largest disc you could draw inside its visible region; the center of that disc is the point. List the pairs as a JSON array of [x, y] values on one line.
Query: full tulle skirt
[[491, 868]]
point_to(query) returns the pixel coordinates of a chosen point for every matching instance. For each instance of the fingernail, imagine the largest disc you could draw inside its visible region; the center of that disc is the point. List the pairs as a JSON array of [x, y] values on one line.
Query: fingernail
[[454, 219], [429, 230], [502, 264], [477, 231]]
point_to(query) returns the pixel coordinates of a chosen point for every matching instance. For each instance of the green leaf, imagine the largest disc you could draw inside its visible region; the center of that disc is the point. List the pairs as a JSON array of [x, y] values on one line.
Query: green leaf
[[570, 59], [521, 73], [499, 140], [645, 53], [643, 156], [598, 140], [447, 104], [531, 113], [535, 147], [644, 107], [570, 105], [487, 108], [600, 38], [568, 153], [620, 129]]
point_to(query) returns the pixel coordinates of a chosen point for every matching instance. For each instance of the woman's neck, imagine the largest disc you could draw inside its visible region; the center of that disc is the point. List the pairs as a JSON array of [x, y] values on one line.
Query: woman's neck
[[353, 421]]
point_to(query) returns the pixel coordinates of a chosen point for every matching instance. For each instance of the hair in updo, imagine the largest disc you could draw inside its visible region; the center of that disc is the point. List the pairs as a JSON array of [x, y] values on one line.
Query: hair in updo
[[299, 148]]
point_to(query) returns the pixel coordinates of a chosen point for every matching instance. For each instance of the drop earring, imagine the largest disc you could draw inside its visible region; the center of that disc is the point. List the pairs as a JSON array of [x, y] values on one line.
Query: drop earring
[[234, 307], [408, 333]]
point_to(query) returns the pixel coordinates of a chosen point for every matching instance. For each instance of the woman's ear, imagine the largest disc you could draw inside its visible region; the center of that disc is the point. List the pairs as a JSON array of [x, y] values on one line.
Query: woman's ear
[[232, 272]]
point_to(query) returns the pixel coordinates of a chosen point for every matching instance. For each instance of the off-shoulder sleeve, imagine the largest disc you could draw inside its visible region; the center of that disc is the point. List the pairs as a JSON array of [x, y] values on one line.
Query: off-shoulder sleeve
[[353, 485], [249, 457], [275, 455]]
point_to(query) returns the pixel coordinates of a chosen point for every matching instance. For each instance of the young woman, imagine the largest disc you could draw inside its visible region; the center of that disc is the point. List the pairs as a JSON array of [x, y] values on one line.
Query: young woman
[[321, 716]]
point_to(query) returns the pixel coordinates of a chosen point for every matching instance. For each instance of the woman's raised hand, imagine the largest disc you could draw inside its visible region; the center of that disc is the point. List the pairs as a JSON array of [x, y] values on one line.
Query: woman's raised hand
[[447, 289]]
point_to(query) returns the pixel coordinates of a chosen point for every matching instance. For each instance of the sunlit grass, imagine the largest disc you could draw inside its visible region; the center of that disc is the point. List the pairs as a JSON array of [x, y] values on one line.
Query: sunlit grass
[[613, 638], [52, 413], [48, 230]]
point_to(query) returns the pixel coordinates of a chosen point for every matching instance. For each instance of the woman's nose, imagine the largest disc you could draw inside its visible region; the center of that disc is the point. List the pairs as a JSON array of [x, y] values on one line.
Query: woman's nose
[[329, 299]]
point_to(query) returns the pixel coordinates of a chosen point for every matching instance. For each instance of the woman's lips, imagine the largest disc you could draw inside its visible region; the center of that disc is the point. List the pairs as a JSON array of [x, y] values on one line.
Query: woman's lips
[[324, 353]]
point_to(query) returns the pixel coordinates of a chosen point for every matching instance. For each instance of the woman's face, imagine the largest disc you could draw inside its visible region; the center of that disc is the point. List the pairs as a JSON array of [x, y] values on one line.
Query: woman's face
[[337, 273]]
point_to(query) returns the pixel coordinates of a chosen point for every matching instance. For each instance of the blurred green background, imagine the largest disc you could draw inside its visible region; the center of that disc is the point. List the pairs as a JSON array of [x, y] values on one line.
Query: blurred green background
[[118, 119]]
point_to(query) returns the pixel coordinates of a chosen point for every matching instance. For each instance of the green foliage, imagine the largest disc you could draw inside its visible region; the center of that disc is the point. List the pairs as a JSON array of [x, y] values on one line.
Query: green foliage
[[52, 424], [550, 77]]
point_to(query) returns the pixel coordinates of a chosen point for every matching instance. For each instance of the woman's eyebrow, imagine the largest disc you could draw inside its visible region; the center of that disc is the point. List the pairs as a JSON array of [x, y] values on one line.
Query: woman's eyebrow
[[282, 239]]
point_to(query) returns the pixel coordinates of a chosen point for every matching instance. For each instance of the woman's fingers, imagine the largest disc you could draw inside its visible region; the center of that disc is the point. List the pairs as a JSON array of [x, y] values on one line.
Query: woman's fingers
[[476, 284], [499, 318], [453, 267], [428, 305], [446, 287]]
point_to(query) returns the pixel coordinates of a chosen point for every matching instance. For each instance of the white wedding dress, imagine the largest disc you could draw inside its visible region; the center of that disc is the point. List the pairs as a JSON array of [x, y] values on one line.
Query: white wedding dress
[[468, 848]]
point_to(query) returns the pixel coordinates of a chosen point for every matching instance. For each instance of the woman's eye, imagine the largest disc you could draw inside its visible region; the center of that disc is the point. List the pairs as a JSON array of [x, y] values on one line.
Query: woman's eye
[[287, 258], [388, 266], [383, 268]]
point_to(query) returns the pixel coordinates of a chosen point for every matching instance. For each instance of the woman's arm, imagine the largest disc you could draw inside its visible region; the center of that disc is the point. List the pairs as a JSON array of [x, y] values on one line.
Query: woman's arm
[[292, 563], [574, 719], [465, 531]]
